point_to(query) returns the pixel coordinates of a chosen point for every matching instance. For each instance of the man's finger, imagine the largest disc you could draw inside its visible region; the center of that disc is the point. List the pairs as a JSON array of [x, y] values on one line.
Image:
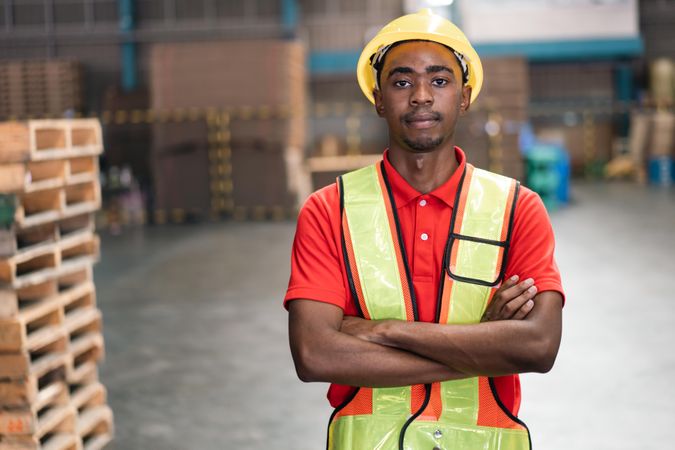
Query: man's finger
[[498, 298], [518, 289], [504, 294], [524, 310], [509, 282], [511, 308]]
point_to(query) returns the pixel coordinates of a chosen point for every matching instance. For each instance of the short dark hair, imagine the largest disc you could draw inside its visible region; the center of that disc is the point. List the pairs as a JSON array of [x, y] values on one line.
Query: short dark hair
[[378, 65]]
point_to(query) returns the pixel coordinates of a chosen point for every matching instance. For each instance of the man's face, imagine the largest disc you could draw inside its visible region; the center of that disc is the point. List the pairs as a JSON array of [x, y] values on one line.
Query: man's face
[[421, 95]]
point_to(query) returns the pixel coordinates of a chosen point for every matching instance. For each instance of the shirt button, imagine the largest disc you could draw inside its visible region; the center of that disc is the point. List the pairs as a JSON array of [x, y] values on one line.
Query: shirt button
[[424, 236], [423, 202]]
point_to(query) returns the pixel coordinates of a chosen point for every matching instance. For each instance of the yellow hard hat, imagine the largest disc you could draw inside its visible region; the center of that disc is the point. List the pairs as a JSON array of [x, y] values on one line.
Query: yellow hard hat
[[423, 25]]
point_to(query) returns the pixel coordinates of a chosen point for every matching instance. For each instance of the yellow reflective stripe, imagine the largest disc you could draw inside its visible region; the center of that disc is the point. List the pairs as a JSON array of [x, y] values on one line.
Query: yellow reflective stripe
[[467, 301], [486, 204], [373, 244], [483, 218], [377, 268], [391, 401], [366, 432], [452, 436], [460, 401]]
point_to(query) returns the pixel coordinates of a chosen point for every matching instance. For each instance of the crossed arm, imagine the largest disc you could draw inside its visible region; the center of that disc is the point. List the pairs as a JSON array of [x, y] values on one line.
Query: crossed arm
[[520, 333]]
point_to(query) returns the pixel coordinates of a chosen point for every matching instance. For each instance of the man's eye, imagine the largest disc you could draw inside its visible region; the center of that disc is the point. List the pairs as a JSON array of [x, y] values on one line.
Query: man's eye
[[440, 82], [401, 83]]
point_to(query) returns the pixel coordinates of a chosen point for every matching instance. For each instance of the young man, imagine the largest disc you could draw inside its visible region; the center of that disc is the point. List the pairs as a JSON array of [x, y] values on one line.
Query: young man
[[421, 286]]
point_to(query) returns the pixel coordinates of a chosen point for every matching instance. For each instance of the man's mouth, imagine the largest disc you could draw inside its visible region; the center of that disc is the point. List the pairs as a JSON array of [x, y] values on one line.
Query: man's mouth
[[422, 121]]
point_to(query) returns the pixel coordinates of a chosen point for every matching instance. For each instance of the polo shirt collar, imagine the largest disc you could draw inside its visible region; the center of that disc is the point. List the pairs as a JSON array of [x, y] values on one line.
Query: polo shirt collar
[[404, 193]]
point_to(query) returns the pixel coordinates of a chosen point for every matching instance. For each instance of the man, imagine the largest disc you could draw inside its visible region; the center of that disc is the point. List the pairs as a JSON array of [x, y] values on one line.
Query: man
[[421, 285]]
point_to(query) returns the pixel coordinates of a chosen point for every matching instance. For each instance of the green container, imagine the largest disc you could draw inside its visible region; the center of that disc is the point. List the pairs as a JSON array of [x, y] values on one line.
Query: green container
[[7, 210], [542, 174]]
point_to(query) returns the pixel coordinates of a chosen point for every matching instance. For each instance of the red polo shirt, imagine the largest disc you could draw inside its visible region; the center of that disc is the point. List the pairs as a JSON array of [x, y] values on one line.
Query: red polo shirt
[[318, 272]]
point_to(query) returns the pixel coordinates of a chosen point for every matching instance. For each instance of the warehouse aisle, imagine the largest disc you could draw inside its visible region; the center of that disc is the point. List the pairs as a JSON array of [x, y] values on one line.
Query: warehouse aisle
[[197, 353]]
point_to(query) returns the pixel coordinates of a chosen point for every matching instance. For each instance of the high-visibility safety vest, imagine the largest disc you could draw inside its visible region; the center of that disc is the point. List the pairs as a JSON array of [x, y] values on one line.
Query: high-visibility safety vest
[[461, 414]]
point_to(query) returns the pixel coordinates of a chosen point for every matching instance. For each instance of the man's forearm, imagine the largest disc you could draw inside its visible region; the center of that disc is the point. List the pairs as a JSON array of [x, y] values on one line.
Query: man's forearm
[[322, 352], [488, 349], [355, 362]]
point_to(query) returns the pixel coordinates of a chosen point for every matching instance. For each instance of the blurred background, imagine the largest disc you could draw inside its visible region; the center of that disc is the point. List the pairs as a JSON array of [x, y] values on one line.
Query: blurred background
[[189, 132]]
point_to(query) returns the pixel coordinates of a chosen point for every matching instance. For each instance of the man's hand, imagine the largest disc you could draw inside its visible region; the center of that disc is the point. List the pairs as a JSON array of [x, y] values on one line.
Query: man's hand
[[512, 300]]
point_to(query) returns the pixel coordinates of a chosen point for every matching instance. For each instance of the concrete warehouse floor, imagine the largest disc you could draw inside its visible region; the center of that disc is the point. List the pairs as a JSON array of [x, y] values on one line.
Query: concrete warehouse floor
[[197, 352]]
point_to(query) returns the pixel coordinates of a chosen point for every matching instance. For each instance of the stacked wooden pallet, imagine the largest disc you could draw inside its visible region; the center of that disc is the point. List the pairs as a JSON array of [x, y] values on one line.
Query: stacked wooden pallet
[[50, 327], [40, 87]]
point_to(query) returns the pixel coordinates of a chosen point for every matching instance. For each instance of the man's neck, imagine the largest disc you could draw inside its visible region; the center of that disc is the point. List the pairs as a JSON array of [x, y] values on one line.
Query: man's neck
[[424, 171]]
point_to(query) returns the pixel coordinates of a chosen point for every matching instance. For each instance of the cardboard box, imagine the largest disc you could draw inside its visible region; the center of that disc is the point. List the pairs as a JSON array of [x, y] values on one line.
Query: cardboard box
[[181, 167], [253, 79], [662, 140], [585, 144]]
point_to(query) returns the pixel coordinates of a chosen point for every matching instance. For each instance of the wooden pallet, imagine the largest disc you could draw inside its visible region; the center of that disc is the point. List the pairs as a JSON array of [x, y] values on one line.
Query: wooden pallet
[[26, 427], [47, 261], [31, 330], [72, 307], [30, 390], [86, 350], [15, 240], [83, 324], [35, 262], [95, 418], [81, 198], [42, 413], [73, 278], [33, 176], [49, 205], [48, 353], [39, 140], [71, 313], [55, 441], [33, 390], [35, 328], [40, 207]]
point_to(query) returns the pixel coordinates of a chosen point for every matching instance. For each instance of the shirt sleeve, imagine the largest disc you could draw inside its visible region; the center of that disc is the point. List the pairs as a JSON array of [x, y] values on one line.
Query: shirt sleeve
[[531, 254], [316, 272]]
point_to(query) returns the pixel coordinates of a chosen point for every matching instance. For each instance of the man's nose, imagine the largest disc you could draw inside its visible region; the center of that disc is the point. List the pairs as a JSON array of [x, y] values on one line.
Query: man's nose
[[421, 95]]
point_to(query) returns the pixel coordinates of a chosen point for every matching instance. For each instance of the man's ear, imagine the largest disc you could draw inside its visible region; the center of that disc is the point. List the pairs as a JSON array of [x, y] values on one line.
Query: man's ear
[[379, 107], [466, 99]]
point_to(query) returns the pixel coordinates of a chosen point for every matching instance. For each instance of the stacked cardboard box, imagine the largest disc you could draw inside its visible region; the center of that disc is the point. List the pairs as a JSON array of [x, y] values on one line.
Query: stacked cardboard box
[[572, 81], [50, 327], [572, 105], [263, 84], [489, 133], [40, 88], [588, 140], [652, 145]]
